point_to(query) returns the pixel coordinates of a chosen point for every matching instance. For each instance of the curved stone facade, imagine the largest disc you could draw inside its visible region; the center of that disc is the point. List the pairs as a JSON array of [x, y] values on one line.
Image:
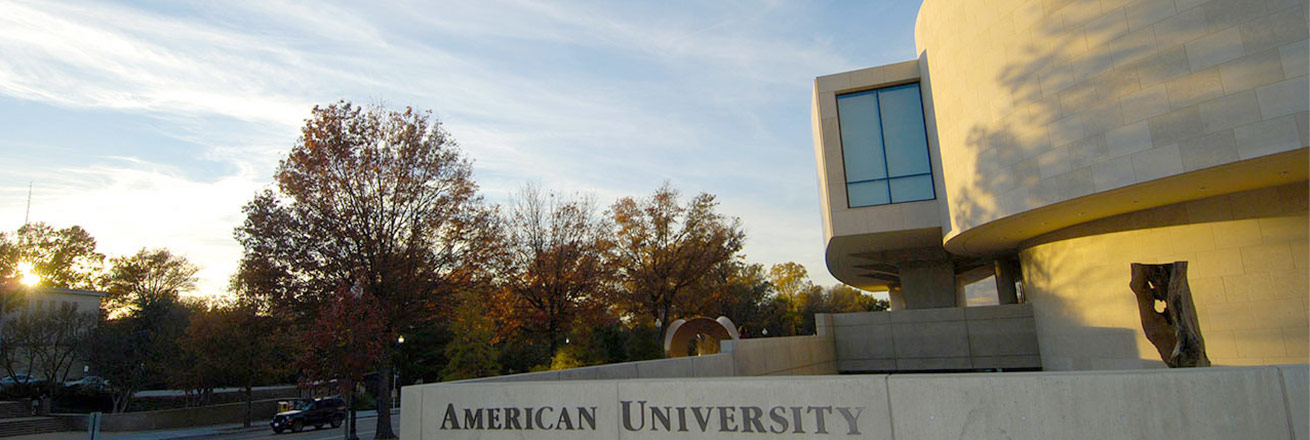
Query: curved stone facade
[[1040, 105], [1072, 138], [1247, 255]]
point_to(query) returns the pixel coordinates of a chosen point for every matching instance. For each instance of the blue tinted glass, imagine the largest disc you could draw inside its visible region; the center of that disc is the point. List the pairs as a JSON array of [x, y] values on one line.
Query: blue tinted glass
[[867, 193], [910, 189], [903, 131], [861, 136]]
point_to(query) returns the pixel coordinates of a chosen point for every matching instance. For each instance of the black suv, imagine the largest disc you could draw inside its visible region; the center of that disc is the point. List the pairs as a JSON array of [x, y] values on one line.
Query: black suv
[[316, 413]]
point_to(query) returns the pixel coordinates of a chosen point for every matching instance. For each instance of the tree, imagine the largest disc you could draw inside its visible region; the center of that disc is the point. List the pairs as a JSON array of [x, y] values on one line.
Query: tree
[[470, 353], [792, 284], [137, 348], [841, 298], [371, 195], [664, 249], [148, 276], [64, 258], [139, 343], [555, 268], [46, 342], [346, 341], [742, 292], [232, 346]]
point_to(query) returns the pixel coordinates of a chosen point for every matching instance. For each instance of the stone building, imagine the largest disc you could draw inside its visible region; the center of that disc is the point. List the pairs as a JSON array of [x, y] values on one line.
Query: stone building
[[1048, 144]]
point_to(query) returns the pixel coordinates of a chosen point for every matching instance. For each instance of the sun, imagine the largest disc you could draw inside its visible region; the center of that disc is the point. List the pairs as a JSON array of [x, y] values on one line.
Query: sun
[[26, 275]]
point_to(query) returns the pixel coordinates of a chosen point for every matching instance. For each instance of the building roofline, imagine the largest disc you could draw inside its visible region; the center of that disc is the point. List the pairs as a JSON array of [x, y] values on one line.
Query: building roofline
[[71, 291]]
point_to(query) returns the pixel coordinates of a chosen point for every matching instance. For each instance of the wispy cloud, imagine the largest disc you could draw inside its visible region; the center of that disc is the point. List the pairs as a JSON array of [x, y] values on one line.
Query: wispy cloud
[[609, 98]]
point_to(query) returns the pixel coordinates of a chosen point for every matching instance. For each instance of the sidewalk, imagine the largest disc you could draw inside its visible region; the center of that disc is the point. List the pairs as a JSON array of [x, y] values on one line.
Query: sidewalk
[[175, 434]]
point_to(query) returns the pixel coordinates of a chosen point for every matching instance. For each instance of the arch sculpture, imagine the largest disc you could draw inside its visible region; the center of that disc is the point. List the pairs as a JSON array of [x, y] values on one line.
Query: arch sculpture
[[678, 338]]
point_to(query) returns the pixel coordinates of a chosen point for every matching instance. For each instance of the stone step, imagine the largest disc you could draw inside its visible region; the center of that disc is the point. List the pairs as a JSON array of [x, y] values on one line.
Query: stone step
[[32, 425]]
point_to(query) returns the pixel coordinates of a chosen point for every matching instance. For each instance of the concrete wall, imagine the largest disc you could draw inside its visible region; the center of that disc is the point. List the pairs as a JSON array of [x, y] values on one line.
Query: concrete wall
[[1214, 403], [1247, 255], [1207, 403], [715, 365], [1003, 336], [797, 355], [794, 355], [1043, 102], [262, 412]]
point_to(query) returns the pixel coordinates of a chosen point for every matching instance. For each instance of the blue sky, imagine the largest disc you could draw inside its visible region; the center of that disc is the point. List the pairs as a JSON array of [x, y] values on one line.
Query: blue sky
[[151, 123]]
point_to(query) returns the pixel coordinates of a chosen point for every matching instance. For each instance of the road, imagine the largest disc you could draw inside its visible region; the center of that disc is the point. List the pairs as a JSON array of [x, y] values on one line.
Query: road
[[364, 430]]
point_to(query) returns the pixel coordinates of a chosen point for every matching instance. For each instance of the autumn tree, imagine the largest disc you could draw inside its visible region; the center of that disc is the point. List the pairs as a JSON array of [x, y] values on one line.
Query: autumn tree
[[741, 291], [345, 342], [470, 353], [64, 258], [791, 283], [371, 195], [556, 249], [841, 298], [665, 247]]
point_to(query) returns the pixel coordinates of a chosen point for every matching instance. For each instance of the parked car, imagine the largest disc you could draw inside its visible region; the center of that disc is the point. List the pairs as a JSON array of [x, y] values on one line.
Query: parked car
[[10, 381], [317, 413], [90, 383]]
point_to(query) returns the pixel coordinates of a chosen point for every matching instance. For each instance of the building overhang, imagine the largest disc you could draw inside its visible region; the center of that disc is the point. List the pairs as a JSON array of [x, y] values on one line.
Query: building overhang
[[1009, 233]]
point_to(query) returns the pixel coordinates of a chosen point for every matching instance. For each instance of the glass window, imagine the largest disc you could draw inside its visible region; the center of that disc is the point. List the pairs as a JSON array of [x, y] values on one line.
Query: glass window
[[869, 193], [864, 158], [885, 146], [913, 188]]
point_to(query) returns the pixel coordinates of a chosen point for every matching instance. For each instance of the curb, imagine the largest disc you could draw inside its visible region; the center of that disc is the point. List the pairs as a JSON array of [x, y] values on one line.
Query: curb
[[256, 427]]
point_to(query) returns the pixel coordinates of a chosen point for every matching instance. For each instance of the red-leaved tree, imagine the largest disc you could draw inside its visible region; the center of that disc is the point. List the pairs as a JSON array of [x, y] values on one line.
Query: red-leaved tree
[[345, 341]]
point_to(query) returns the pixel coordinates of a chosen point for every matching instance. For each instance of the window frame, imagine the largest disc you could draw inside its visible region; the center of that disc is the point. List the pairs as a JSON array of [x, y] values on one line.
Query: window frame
[[882, 138]]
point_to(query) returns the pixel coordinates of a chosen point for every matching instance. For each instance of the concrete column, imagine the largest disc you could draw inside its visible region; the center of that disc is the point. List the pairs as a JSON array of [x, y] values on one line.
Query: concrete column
[[928, 284], [896, 298], [961, 297], [1007, 273], [823, 325]]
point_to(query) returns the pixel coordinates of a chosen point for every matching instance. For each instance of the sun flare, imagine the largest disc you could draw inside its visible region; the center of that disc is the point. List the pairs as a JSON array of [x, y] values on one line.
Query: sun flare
[[26, 275]]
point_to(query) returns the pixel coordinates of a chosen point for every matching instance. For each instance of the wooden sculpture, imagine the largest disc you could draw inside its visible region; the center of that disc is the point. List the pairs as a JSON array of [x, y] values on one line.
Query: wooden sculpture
[[1174, 331]]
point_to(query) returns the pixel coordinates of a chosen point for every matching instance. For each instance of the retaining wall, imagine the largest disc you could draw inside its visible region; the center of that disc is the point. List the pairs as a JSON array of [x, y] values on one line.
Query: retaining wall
[[988, 337], [1203, 403], [795, 355], [262, 412]]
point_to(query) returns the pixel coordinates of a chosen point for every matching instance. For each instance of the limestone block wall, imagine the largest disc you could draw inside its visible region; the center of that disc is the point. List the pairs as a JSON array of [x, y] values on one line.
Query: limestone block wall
[[1040, 102], [791, 356], [1202, 403], [1001, 336], [796, 355], [1247, 267]]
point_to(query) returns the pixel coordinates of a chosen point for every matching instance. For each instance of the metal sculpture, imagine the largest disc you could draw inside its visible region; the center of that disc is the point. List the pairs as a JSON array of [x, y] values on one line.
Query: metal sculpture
[[707, 332]]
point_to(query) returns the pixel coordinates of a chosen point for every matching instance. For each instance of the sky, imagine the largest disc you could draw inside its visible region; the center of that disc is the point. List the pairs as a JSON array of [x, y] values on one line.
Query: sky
[[151, 123]]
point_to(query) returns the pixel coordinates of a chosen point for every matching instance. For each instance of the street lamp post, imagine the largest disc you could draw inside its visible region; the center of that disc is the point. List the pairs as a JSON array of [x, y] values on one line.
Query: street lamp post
[[400, 353]]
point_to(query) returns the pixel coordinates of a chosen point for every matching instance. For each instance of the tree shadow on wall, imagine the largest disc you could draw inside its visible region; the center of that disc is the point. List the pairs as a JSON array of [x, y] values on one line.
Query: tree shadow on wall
[[1068, 109], [1058, 127]]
